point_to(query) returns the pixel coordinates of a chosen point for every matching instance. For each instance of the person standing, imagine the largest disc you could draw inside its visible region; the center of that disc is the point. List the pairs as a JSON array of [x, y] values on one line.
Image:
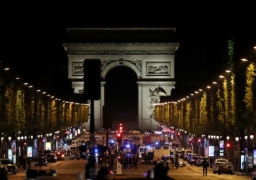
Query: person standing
[[130, 162], [211, 161], [3, 175], [126, 162], [100, 161], [205, 164], [176, 161], [135, 161]]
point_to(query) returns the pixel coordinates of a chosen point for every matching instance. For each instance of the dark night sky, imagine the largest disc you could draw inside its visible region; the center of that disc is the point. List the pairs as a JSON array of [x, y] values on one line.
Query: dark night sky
[[32, 39]]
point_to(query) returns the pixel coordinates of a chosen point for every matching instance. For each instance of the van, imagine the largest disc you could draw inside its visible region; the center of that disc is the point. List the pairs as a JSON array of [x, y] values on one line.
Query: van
[[186, 152], [71, 148], [144, 150]]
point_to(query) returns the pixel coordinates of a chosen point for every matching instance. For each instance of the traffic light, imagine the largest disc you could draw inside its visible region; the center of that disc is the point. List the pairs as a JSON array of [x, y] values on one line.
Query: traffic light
[[119, 138]]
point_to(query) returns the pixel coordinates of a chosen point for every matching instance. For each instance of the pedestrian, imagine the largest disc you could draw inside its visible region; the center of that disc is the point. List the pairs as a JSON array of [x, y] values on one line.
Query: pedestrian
[[211, 161], [205, 164], [3, 174], [29, 162], [135, 161], [87, 169], [103, 174], [130, 162], [24, 163], [100, 161], [176, 161], [127, 162], [161, 172]]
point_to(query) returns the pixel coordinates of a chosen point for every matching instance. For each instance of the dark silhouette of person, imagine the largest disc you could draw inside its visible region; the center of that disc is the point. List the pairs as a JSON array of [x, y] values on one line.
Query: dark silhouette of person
[[205, 166], [130, 163], [135, 161], [103, 174], [176, 161], [3, 175], [211, 161], [161, 172], [24, 163], [126, 162], [100, 161], [29, 162]]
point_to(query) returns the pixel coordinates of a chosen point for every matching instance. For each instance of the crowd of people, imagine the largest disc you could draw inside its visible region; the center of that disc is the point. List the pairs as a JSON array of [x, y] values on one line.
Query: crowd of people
[[129, 161]]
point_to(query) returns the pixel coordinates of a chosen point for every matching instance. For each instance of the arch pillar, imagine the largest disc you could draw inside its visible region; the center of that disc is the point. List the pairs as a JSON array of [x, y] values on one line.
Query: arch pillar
[[148, 95]]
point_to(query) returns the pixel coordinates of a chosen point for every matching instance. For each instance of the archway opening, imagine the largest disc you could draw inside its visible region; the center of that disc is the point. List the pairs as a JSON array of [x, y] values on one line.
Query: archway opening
[[121, 94]]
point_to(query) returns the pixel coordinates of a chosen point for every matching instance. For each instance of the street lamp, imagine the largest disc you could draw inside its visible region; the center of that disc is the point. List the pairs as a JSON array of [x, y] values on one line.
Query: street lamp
[[199, 143], [251, 137], [236, 139], [10, 138]]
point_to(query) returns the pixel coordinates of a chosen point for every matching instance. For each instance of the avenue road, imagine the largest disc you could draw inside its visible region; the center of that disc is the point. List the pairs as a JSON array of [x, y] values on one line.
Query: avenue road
[[74, 170]]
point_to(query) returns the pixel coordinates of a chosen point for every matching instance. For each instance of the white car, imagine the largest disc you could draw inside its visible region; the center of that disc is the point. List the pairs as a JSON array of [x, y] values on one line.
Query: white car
[[9, 165], [216, 164]]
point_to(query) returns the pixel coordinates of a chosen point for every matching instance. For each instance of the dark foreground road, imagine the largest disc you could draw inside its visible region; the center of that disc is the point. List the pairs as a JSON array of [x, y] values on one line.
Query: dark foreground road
[[74, 170]]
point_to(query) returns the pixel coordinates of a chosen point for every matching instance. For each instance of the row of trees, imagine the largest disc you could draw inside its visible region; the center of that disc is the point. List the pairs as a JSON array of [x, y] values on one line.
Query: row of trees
[[227, 106], [25, 109]]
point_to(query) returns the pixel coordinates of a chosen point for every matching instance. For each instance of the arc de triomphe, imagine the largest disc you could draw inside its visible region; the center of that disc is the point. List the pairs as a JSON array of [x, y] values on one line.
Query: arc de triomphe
[[153, 63]]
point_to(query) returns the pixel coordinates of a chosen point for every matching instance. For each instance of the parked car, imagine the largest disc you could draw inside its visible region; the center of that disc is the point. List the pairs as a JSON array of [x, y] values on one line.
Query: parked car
[[200, 160], [51, 157], [218, 162], [193, 160], [9, 165], [190, 156], [60, 155], [41, 161], [226, 167]]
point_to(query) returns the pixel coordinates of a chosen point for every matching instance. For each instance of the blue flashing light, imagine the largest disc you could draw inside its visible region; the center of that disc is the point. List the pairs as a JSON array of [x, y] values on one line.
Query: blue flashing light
[[112, 141], [127, 145], [96, 150], [156, 143]]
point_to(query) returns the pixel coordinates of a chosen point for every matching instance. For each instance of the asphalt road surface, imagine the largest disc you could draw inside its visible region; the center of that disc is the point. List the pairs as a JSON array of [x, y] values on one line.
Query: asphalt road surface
[[75, 169]]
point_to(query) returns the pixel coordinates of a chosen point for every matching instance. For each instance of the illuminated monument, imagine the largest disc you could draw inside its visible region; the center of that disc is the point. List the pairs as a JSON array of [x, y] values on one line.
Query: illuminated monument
[[149, 52]]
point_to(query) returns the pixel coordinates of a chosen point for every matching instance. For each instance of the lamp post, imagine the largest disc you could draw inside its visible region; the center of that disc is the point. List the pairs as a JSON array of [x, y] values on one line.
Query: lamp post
[[18, 153], [227, 146], [250, 153], [199, 143], [237, 153], [203, 142], [246, 152], [2, 144]]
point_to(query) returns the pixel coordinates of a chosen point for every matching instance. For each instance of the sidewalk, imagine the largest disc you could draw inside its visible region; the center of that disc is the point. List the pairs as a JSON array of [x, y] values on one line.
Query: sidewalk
[[243, 173]]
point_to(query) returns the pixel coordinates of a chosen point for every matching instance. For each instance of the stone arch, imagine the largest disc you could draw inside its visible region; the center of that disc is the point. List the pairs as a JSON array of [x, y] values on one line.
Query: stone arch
[[113, 64]]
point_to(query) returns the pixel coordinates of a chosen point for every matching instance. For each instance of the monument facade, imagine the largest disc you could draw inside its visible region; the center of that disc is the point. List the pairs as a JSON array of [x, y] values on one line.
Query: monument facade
[[151, 61]]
